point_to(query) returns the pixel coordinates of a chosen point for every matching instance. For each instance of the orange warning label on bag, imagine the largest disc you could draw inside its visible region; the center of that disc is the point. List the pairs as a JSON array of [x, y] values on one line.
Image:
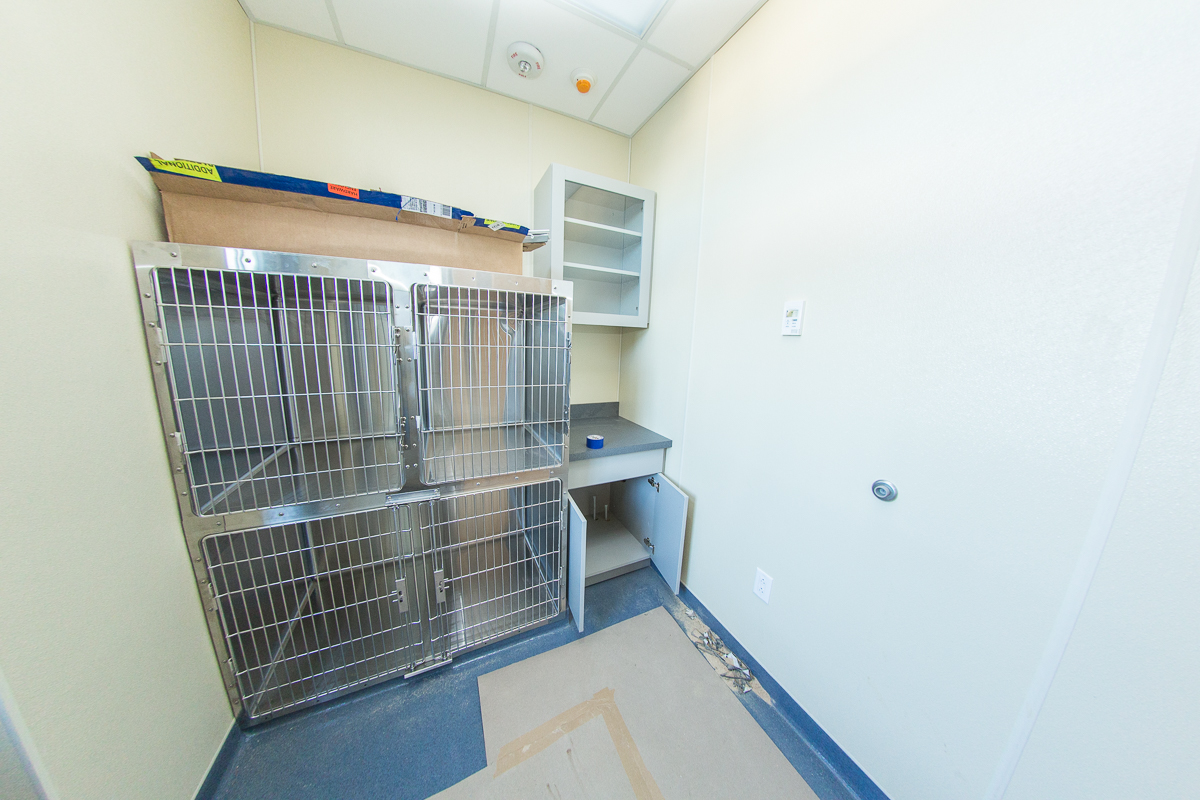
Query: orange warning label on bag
[[344, 191]]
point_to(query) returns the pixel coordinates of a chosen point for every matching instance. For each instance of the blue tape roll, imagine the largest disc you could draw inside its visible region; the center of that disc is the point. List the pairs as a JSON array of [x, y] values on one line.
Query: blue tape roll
[[595, 441]]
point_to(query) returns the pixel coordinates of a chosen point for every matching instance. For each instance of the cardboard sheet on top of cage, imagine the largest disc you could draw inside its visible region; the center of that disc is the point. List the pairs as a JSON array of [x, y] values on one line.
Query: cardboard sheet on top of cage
[[631, 711], [229, 207]]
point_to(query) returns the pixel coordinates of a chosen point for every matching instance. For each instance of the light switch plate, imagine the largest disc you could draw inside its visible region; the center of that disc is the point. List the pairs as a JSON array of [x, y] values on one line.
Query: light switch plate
[[793, 317]]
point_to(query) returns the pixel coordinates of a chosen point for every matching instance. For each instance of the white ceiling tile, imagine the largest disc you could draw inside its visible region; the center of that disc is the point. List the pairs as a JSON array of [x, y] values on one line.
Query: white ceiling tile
[[648, 82], [448, 36], [302, 16], [568, 42], [692, 29]]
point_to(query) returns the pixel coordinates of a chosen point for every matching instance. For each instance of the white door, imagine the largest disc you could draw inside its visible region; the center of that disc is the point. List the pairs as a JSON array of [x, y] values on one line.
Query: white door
[[576, 560], [655, 511], [670, 527]]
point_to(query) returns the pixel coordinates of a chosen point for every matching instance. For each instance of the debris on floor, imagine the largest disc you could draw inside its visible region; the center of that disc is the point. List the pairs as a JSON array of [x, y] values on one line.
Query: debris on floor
[[731, 669]]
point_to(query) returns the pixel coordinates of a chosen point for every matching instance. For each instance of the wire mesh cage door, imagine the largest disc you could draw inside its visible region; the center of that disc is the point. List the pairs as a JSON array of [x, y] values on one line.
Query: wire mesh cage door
[[314, 609], [283, 386], [493, 381], [497, 559]]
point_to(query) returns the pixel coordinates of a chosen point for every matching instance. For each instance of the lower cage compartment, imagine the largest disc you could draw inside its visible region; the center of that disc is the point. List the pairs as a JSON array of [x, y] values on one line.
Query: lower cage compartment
[[311, 610]]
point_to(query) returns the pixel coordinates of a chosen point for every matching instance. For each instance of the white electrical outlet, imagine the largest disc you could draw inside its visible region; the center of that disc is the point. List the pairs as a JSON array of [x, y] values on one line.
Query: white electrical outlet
[[762, 586]]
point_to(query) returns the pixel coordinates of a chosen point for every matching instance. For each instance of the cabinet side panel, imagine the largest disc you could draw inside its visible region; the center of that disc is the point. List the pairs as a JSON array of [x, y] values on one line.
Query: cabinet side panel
[[577, 562]]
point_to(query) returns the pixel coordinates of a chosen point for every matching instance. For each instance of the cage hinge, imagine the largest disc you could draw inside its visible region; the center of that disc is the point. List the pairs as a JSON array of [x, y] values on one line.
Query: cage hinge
[[401, 597], [652, 482], [441, 584]]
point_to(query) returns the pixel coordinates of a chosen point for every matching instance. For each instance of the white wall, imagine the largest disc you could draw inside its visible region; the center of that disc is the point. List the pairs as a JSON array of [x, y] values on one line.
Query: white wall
[[1121, 719], [15, 783], [17, 774], [333, 114], [978, 201], [668, 156], [102, 638]]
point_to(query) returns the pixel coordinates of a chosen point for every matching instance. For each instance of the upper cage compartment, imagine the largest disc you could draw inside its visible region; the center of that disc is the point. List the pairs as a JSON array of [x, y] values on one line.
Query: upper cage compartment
[[493, 381], [283, 386]]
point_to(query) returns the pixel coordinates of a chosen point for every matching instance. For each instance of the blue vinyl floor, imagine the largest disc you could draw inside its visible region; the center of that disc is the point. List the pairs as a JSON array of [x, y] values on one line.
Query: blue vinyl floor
[[407, 740]]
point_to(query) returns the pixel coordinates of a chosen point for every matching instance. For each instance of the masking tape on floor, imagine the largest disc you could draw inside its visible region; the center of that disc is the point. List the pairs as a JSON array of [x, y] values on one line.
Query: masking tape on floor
[[603, 704]]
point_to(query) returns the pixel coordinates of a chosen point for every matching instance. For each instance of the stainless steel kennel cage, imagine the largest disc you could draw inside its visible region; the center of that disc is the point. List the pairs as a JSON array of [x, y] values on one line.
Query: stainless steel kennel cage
[[369, 459]]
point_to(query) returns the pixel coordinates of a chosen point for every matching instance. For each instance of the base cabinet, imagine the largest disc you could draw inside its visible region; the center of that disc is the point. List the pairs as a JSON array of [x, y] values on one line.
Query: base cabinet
[[618, 527]]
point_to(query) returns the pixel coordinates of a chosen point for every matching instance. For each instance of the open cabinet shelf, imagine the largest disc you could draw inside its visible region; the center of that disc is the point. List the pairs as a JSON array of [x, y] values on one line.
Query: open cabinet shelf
[[601, 239], [589, 272]]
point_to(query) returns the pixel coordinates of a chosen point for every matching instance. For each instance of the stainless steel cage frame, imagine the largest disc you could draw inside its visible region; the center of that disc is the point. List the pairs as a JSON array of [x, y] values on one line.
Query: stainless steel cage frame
[[369, 459]]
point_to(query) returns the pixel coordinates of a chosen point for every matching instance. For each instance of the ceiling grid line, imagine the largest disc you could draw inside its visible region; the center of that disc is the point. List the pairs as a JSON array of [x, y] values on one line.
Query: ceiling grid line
[[662, 12], [600, 22], [615, 81], [703, 61], [658, 18], [333, 19], [658, 51], [566, 5], [491, 42]]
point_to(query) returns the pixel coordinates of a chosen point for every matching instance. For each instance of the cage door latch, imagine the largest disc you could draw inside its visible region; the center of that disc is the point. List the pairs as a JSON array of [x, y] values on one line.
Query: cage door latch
[[441, 585], [401, 597]]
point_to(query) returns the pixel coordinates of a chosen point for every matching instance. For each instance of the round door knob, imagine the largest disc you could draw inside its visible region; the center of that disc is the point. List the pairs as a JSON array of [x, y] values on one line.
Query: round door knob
[[884, 490]]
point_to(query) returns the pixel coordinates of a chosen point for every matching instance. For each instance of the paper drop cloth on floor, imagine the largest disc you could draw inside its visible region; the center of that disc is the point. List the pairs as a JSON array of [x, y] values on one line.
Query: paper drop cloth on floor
[[681, 724]]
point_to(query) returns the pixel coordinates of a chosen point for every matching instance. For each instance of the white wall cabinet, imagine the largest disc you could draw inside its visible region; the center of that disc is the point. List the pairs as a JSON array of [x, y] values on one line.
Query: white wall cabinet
[[601, 239], [618, 527]]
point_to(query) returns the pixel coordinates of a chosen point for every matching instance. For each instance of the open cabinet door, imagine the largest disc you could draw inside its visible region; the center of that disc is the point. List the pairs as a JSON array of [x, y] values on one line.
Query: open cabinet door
[[670, 525], [576, 560], [655, 510]]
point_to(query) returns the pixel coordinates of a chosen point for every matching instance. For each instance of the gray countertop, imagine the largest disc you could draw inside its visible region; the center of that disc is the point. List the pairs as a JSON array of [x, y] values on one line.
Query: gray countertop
[[620, 435]]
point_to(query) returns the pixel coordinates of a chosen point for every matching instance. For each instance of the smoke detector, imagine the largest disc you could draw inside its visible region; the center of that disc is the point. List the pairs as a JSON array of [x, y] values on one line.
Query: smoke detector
[[525, 60], [583, 80]]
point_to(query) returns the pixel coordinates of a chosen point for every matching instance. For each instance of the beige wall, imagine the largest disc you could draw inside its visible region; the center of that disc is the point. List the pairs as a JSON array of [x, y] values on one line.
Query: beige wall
[[102, 638], [333, 114], [668, 156], [978, 202]]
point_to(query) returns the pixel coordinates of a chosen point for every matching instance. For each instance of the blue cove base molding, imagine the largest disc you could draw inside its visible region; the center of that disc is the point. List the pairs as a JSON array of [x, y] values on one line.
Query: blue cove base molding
[[854, 781]]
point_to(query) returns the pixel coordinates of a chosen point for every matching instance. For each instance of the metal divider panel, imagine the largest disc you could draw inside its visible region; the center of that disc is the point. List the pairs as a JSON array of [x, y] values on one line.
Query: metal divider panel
[[493, 381], [310, 610], [498, 555], [284, 386]]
